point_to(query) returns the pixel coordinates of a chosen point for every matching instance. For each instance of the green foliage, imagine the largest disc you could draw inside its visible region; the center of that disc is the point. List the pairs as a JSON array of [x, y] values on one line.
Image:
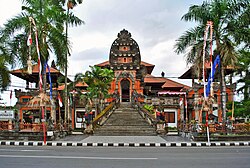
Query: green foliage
[[241, 109], [227, 17], [223, 14], [98, 81], [149, 108], [50, 18], [244, 72], [4, 74]]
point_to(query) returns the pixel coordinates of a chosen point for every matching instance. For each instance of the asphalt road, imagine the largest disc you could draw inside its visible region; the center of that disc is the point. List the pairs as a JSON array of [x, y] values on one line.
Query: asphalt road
[[116, 157]]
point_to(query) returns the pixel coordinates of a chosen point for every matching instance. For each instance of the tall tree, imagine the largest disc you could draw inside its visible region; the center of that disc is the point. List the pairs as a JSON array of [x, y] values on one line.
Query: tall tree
[[221, 13], [49, 17], [70, 5]]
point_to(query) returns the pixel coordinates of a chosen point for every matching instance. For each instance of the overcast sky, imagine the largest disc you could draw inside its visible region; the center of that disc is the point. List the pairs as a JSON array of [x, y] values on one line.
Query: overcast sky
[[154, 25]]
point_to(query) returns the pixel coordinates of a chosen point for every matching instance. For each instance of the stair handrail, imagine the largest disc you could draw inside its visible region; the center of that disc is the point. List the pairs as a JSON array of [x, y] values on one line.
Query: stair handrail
[[105, 113], [150, 118]]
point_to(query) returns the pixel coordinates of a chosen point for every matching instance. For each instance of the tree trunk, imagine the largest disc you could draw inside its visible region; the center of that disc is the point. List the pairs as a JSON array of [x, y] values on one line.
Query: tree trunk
[[44, 87], [66, 110]]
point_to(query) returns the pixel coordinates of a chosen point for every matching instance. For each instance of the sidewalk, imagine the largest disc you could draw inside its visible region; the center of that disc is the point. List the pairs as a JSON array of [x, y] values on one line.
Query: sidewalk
[[124, 141]]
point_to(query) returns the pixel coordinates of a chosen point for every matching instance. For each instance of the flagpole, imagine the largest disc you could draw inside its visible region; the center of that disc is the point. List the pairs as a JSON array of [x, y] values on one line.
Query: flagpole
[[203, 56], [208, 25], [204, 76], [211, 56], [40, 77]]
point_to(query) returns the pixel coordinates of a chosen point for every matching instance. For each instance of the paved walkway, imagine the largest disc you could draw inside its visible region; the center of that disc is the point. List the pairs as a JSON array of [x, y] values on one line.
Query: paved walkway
[[123, 139]]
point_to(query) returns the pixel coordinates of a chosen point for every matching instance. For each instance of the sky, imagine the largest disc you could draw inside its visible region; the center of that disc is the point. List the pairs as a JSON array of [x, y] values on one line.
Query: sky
[[154, 24]]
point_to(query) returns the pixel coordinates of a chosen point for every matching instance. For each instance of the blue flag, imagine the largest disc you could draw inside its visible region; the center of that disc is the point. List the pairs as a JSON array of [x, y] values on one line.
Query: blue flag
[[211, 75], [50, 82]]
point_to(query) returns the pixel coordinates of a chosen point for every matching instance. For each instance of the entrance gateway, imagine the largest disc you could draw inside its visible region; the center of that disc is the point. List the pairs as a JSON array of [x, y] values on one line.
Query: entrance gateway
[[125, 61], [125, 90]]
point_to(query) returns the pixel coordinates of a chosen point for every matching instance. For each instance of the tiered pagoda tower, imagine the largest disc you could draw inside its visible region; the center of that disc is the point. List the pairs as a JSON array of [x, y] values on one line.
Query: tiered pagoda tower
[[125, 61]]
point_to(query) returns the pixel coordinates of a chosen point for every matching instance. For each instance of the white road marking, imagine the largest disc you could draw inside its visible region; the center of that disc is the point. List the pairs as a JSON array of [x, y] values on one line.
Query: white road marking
[[21, 150], [76, 157]]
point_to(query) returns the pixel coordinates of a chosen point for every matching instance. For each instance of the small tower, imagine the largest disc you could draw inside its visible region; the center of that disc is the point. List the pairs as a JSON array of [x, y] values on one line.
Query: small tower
[[125, 61]]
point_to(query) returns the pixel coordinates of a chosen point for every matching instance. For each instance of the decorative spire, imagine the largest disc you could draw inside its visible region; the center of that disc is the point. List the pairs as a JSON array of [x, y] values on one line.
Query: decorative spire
[[124, 34]]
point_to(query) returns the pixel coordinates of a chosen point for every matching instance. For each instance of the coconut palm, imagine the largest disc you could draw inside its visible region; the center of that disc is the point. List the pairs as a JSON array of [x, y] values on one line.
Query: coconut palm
[[221, 13], [49, 17]]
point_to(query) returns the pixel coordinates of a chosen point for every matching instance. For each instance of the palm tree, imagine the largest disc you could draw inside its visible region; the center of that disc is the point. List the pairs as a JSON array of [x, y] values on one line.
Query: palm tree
[[239, 27], [221, 13], [98, 81], [70, 5], [4, 74], [4, 63], [50, 18], [244, 72]]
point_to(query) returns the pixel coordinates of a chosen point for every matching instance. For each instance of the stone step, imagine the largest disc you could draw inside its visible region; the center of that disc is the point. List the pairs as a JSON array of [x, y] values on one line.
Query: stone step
[[125, 133], [130, 123], [122, 122], [125, 121], [131, 127]]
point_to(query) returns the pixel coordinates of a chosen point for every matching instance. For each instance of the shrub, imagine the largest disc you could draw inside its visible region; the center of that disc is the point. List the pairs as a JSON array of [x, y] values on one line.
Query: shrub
[[149, 108]]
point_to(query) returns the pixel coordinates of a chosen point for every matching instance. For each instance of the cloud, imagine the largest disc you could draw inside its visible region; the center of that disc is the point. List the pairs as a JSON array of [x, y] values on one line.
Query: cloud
[[80, 62], [154, 24]]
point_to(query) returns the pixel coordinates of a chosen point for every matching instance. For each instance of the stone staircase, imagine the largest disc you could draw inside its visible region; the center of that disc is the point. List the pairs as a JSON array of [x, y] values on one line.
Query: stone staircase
[[125, 121]]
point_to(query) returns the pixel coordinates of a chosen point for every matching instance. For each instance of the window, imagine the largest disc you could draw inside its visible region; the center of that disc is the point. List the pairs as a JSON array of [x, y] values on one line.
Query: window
[[170, 117], [25, 100], [80, 116], [124, 60]]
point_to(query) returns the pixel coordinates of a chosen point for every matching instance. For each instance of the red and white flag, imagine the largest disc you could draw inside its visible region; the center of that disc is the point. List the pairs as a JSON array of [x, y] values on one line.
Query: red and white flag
[[60, 100], [29, 40]]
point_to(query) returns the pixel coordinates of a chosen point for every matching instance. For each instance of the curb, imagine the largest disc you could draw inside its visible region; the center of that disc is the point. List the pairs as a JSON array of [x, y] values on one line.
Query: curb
[[181, 144]]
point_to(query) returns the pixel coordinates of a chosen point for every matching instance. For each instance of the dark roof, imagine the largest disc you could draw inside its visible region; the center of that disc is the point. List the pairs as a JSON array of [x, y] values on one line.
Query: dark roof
[[149, 66], [22, 73], [190, 74], [166, 83]]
